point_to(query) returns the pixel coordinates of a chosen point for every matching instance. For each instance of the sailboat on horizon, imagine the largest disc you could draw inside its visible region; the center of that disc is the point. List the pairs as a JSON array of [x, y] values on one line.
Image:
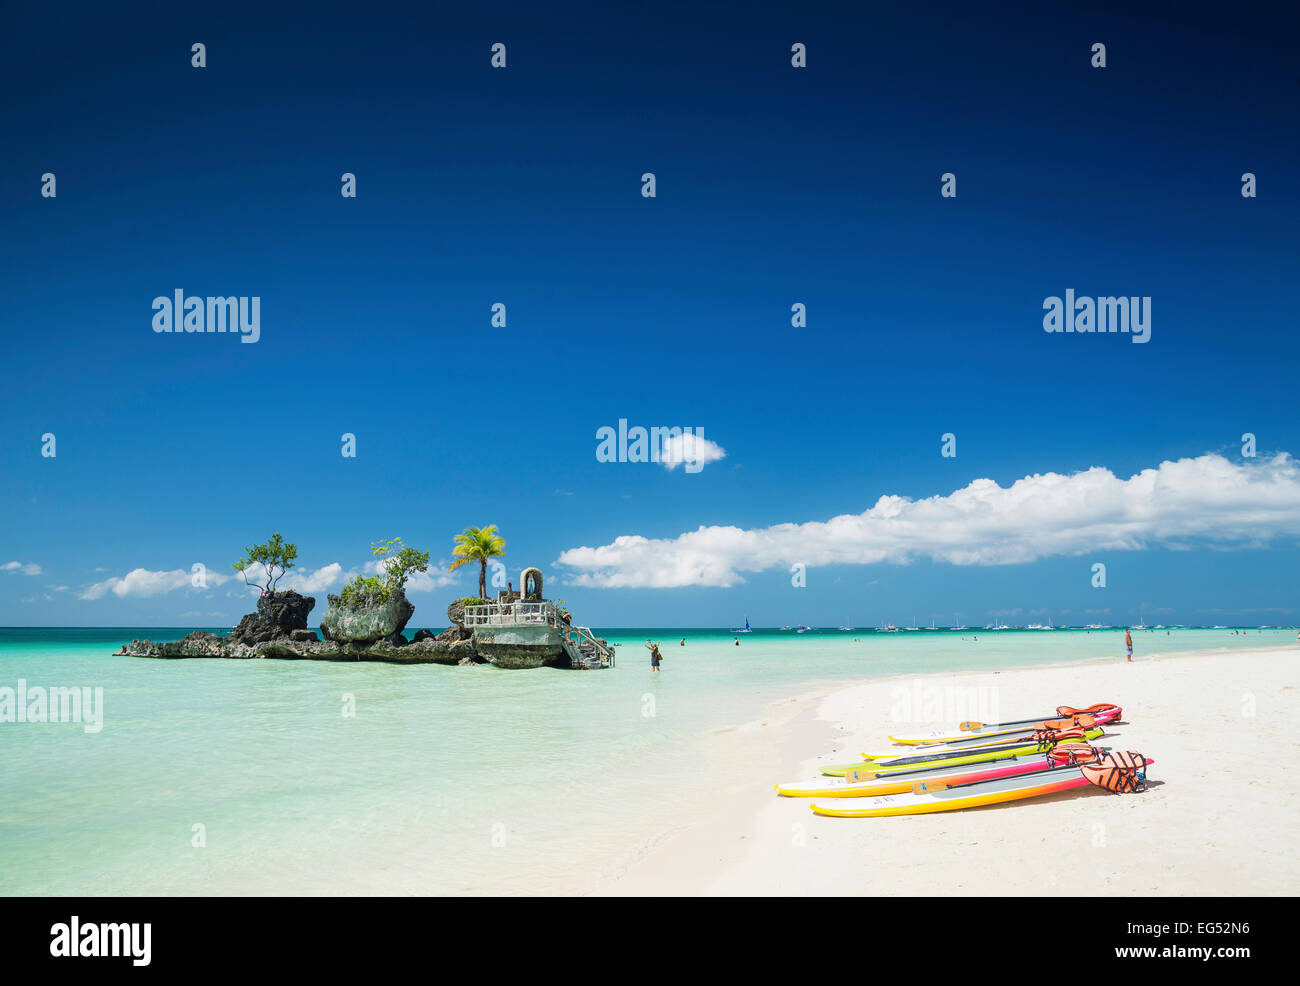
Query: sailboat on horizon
[[745, 630]]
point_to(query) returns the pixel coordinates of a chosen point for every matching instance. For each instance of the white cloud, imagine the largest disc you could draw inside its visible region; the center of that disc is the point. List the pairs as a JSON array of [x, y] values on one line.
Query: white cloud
[[30, 568], [695, 451], [306, 581], [428, 581], [142, 582], [435, 578], [1206, 500]]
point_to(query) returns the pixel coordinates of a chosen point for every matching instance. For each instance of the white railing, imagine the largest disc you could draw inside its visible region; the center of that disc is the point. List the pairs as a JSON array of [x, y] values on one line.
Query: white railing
[[535, 614], [581, 634], [511, 614]]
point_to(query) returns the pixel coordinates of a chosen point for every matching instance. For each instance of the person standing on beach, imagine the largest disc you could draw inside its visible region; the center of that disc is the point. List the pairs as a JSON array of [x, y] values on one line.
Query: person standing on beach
[[1128, 643]]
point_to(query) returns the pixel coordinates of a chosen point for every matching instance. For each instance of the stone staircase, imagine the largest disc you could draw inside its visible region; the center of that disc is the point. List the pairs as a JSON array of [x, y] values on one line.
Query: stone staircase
[[585, 653], [590, 657]]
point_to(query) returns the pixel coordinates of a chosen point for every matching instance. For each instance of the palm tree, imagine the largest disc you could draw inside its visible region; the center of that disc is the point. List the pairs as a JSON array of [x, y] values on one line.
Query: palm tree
[[478, 544]]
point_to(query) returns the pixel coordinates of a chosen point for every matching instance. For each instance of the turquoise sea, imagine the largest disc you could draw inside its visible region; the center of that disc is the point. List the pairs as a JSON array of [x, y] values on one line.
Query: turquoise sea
[[445, 780]]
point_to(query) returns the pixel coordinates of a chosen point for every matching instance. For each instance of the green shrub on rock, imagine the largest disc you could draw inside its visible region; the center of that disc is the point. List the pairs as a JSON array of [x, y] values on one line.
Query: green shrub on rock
[[397, 564]]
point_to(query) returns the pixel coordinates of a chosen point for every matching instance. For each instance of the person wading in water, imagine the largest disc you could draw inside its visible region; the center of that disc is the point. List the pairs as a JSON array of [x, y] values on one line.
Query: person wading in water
[[655, 656]]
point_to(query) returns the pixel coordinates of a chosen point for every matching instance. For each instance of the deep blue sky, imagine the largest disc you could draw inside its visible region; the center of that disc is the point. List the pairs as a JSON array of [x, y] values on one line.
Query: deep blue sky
[[522, 185]]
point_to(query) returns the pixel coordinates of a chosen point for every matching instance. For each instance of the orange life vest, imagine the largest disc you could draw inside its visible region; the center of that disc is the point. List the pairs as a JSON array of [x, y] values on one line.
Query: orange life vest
[[1066, 710], [1124, 772]]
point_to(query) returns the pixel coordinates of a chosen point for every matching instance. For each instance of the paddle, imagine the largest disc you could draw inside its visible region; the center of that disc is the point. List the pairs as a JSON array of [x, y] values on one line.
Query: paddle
[[1061, 710], [967, 727], [1002, 736], [1094, 755], [856, 776], [1129, 763], [928, 787], [1081, 719], [1043, 740]]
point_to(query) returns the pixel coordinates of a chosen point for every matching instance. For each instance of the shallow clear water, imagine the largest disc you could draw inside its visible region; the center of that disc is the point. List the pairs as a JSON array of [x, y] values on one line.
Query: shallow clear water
[[446, 779]]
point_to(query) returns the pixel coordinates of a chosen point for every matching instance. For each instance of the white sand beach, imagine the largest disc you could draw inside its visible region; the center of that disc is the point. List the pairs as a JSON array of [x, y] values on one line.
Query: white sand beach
[[1217, 819]]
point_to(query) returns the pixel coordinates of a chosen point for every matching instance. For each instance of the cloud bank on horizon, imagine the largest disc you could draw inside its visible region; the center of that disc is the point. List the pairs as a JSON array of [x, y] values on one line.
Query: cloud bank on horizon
[[1202, 501]]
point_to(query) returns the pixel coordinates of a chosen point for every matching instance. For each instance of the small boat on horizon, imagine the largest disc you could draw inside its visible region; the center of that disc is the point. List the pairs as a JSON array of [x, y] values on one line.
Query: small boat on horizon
[[739, 630]]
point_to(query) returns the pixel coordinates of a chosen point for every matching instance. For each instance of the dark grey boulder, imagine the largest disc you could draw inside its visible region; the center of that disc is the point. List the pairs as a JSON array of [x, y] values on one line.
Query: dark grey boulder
[[200, 643], [286, 609], [252, 629]]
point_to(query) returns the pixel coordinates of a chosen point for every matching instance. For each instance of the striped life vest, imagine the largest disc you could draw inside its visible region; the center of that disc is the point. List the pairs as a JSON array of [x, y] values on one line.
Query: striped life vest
[[1074, 753], [1124, 772], [1047, 737], [1066, 710]]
